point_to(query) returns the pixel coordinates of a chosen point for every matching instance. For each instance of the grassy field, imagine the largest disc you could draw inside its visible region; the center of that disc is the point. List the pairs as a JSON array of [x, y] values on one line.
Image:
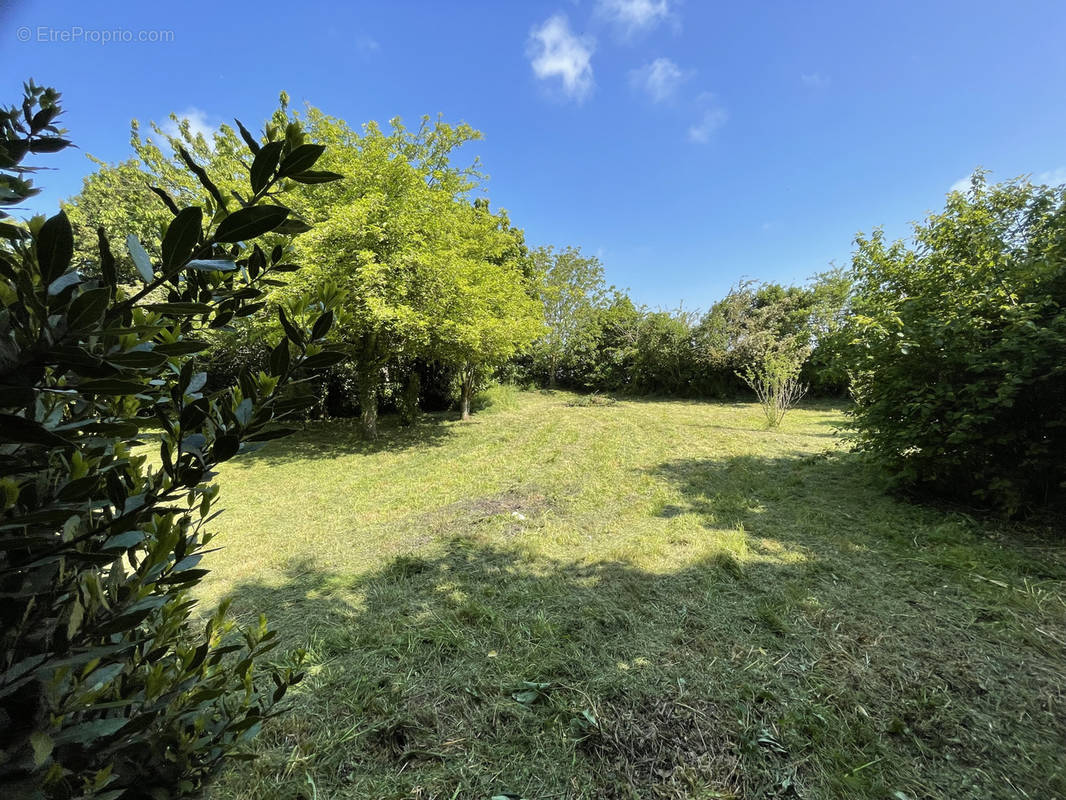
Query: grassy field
[[647, 599]]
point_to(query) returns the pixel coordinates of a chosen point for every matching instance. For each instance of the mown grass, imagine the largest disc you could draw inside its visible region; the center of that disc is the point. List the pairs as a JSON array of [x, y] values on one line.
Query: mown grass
[[646, 599]]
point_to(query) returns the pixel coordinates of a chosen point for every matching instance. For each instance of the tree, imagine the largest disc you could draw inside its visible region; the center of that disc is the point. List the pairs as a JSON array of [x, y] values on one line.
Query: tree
[[377, 237], [108, 686], [132, 196], [960, 346], [487, 312], [759, 326], [571, 287], [117, 198], [662, 361]]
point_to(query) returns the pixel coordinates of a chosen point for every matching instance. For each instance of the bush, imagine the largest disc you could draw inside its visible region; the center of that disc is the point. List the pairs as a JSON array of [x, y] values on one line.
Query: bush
[[959, 349], [775, 380], [109, 686]]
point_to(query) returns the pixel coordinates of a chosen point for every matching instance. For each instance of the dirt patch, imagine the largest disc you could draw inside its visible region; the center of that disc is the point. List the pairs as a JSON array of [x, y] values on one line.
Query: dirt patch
[[519, 507], [663, 748], [509, 502]]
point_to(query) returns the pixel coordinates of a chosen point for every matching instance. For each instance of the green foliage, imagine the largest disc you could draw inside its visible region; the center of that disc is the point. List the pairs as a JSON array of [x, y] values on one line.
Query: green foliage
[[612, 345], [960, 347], [431, 277], [774, 377], [430, 274], [571, 289], [109, 686]]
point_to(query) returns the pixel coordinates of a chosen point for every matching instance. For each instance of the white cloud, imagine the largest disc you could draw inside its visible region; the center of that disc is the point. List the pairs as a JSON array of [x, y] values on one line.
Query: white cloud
[[1053, 177], [815, 80], [198, 124], [660, 78], [961, 185], [555, 52], [632, 16], [714, 117]]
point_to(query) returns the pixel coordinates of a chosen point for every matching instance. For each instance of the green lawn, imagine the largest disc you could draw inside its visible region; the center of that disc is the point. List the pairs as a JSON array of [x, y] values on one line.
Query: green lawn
[[648, 599]]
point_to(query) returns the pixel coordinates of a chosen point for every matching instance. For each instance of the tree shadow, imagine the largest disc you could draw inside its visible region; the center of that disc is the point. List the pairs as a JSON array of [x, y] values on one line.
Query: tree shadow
[[338, 438], [835, 507], [820, 655]]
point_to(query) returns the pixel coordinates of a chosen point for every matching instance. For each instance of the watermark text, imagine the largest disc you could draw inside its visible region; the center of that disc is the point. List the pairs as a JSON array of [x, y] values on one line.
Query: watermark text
[[76, 34]]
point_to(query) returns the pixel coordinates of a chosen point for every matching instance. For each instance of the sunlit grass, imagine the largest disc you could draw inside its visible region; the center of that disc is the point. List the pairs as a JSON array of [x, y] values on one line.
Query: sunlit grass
[[684, 604]]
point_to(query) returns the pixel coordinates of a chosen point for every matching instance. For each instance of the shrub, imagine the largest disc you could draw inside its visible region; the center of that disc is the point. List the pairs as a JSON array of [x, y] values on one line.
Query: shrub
[[774, 377], [959, 352], [109, 686]]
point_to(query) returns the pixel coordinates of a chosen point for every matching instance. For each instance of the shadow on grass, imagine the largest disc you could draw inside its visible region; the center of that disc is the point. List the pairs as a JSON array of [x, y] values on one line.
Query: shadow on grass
[[477, 673], [841, 650], [337, 438]]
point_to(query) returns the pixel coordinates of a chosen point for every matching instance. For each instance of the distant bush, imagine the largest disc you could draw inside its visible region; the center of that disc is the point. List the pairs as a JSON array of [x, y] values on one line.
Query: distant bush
[[602, 342], [959, 350], [109, 685], [774, 377]]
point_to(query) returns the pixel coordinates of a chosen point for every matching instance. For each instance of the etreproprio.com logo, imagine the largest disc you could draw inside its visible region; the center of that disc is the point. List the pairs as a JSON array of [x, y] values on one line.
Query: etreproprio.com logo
[[76, 34]]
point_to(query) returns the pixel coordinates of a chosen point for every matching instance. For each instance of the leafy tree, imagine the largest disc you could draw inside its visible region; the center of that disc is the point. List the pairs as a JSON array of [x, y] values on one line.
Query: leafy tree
[[391, 237], [662, 361], [757, 325], [486, 312], [571, 288], [108, 686], [606, 346], [826, 368], [133, 195], [959, 353], [118, 199]]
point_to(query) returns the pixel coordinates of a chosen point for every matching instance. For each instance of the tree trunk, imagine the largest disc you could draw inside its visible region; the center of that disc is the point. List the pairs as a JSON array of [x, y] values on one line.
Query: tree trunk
[[468, 385], [409, 407], [368, 407], [552, 369]]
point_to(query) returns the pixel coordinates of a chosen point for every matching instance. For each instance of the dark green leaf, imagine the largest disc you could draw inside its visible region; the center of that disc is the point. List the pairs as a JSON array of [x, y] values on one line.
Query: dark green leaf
[[20, 430], [294, 333], [107, 260], [247, 223], [55, 246], [249, 140], [181, 237], [48, 144], [167, 200], [111, 386], [301, 159], [87, 309], [322, 325], [292, 227], [226, 447], [266, 161], [201, 176], [179, 309], [323, 360], [182, 348], [137, 359], [279, 358], [311, 176]]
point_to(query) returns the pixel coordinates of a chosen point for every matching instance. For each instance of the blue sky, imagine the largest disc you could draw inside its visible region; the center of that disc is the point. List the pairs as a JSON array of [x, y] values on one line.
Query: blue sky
[[687, 144]]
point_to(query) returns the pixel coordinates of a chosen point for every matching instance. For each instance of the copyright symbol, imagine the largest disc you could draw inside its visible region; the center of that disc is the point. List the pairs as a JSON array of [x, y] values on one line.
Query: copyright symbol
[[23, 34]]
